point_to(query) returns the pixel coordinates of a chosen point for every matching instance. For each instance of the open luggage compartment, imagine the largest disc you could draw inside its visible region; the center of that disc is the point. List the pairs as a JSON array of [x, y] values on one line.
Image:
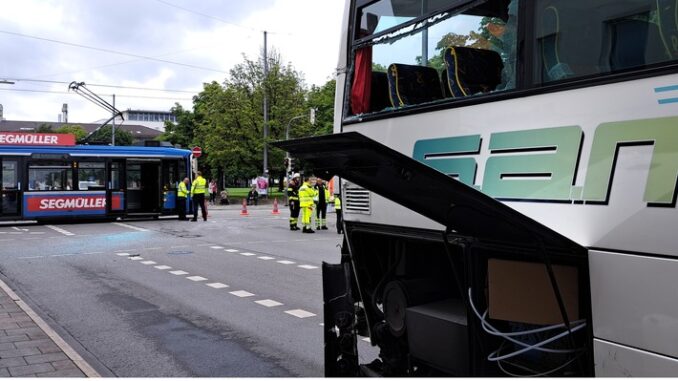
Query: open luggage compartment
[[496, 293]]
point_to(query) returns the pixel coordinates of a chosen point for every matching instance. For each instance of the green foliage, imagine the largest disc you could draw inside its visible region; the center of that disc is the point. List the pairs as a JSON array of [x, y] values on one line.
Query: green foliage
[[322, 100], [45, 128], [103, 137], [74, 129]]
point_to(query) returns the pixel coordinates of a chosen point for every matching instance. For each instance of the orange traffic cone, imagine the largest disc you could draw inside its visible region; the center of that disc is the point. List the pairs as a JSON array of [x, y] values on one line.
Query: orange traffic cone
[[275, 207], [244, 212]]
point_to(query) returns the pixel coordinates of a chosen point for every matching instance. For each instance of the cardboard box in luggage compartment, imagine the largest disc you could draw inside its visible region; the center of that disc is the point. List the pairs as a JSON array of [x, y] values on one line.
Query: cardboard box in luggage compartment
[[522, 292]]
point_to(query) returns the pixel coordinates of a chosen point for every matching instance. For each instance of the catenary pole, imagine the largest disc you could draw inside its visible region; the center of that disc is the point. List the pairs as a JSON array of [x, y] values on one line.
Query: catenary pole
[[265, 83]]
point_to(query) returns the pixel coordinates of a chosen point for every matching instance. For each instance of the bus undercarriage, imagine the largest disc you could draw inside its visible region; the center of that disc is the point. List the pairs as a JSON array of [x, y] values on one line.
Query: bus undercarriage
[[494, 293]]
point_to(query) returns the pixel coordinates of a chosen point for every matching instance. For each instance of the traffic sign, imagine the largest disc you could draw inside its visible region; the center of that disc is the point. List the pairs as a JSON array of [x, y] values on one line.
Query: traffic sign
[[197, 151]]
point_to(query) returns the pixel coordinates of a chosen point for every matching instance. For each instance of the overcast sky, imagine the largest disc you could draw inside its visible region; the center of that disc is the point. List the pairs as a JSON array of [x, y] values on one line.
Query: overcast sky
[[305, 32]]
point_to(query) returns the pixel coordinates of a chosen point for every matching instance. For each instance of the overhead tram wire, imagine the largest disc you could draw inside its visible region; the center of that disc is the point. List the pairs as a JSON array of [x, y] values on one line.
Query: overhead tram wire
[[111, 51], [105, 85], [117, 95]]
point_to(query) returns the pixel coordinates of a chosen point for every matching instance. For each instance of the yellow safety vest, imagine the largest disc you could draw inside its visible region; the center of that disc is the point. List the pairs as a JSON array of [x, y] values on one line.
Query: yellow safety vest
[[199, 186], [182, 192], [337, 203], [306, 195]]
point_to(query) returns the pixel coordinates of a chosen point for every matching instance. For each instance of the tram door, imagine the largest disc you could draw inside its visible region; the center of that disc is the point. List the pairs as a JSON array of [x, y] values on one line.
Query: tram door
[[10, 192], [115, 195], [144, 191]]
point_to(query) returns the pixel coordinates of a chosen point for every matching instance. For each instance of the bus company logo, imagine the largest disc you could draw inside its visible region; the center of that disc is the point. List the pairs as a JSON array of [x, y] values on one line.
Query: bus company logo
[[70, 203], [65, 204], [36, 139], [542, 164]]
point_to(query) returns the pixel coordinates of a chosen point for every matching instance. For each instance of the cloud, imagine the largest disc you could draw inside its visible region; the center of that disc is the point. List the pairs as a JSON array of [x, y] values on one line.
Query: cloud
[[305, 32]]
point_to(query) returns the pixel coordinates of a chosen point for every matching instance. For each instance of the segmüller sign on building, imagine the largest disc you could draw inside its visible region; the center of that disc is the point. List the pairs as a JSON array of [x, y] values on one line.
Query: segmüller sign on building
[[36, 139]]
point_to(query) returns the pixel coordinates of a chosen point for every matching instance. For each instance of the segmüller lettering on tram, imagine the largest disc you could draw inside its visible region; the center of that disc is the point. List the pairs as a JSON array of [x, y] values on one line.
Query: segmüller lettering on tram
[[73, 203], [30, 139]]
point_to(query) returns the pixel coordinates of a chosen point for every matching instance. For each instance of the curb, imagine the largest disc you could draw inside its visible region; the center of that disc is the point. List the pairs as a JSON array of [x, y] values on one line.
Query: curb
[[67, 349]]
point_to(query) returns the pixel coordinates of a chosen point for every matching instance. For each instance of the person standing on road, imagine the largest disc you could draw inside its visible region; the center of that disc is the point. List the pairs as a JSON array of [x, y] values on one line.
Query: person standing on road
[[306, 196], [198, 193], [337, 210], [213, 192], [323, 195], [293, 200], [182, 194]]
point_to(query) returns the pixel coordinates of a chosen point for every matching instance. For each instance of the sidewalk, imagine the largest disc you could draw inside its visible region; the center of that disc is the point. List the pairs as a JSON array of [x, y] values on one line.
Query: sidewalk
[[29, 347]]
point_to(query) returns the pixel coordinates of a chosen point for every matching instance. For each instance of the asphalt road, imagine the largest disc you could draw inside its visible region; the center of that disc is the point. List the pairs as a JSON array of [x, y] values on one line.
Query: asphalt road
[[233, 296]]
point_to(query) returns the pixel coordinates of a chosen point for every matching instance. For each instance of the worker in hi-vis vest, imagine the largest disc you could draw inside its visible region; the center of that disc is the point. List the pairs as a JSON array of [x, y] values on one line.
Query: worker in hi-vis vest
[[337, 210], [198, 190], [293, 200], [182, 194], [306, 196], [323, 196]]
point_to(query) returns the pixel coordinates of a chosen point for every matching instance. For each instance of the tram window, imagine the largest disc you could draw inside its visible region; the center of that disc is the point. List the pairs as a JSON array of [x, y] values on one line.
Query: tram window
[[46, 177], [452, 54], [115, 176], [9, 175], [92, 176], [134, 177], [577, 38]]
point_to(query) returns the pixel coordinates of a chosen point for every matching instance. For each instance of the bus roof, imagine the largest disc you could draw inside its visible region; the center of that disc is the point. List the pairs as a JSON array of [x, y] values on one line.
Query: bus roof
[[96, 151]]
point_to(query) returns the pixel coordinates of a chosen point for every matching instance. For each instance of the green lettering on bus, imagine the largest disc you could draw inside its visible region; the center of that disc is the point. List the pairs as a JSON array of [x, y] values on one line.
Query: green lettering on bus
[[464, 169], [535, 176], [660, 186]]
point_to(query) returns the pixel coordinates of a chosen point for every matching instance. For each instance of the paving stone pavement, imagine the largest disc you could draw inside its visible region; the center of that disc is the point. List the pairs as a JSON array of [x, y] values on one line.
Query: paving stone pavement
[[26, 350]]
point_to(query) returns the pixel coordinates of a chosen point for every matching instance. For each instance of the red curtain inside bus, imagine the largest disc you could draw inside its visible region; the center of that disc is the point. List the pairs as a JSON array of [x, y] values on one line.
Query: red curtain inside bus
[[362, 81]]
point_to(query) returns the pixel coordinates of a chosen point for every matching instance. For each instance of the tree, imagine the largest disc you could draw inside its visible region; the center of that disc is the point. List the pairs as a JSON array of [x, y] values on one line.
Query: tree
[[180, 133], [103, 137], [322, 100], [73, 129]]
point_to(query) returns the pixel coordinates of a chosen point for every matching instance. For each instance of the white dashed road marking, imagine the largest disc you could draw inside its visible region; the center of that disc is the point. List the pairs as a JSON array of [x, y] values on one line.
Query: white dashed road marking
[[137, 258], [59, 230], [196, 278], [149, 263], [232, 250], [300, 313], [366, 339], [286, 262], [163, 267], [178, 272], [216, 247], [247, 254], [241, 293], [123, 254], [265, 258], [130, 227], [308, 267], [217, 285], [268, 303]]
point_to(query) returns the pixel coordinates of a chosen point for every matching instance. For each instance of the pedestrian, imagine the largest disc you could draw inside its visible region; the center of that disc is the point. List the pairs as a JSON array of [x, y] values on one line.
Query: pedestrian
[[306, 202], [337, 210], [182, 194], [198, 190], [213, 192], [293, 199], [223, 197], [323, 195], [253, 196]]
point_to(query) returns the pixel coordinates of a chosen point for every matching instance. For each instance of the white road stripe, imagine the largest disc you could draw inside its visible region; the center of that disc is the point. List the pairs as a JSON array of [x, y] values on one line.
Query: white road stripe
[[366, 339], [149, 263], [300, 313], [16, 228], [217, 285], [59, 230], [163, 267], [265, 258], [130, 227], [137, 258], [286, 262], [308, 267], [216, 247], [247, 254], [232, 250], [178, 272], [196, 278], [123, 254], [241, 293], [268, 303], [36, 233]]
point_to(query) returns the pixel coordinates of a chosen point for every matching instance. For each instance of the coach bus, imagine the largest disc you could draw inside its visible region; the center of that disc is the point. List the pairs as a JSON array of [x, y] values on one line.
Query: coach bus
[[509, 173], [47, 176]]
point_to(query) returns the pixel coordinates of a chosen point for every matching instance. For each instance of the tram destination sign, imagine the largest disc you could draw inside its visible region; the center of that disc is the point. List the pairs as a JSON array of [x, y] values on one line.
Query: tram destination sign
[[36, 139]]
